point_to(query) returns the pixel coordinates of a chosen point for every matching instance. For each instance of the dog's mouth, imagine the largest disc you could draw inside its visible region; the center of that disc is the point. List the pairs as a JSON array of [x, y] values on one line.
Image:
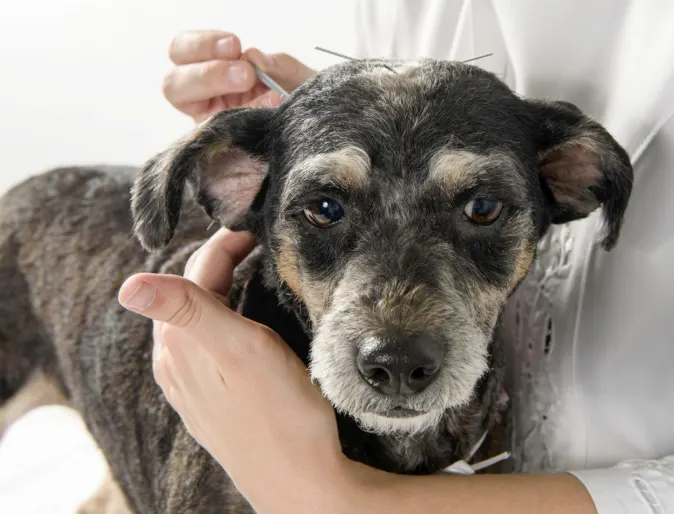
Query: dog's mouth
[[401, 412], [398, 420]]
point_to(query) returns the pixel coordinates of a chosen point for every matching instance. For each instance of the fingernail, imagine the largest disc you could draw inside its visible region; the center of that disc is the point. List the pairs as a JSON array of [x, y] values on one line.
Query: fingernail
[[141, 298], [224, 47], [267, 62], [238, 72]]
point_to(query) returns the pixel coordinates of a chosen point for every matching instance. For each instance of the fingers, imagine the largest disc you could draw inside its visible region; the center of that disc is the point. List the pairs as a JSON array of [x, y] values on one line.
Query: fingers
[[166, 298], [200, 81], [210, 74], [266, 100], [285, 69], [202, 46], [212, 266], [208, 71], [179, 304]]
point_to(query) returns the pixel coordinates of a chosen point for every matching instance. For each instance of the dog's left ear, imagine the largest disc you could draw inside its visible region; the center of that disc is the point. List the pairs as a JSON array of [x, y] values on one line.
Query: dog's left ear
[[582, 166], [224, 162]]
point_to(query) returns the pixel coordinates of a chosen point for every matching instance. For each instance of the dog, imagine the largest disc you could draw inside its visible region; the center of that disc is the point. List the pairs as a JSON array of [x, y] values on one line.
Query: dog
[[397, 206]]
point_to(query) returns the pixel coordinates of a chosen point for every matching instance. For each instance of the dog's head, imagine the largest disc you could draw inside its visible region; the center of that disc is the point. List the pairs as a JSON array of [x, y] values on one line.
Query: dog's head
[[401, 210]]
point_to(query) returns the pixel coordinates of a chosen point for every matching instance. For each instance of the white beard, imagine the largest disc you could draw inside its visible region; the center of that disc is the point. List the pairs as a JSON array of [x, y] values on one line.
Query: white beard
[[384, 425]]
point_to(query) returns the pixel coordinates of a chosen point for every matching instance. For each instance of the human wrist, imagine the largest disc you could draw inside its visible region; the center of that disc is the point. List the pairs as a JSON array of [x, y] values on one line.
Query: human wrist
[[344, 487], [334, 487], [360, 488]]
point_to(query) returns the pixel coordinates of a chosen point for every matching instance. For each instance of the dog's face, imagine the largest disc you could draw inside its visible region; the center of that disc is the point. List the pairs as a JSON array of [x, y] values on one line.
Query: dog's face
[[400, 210]]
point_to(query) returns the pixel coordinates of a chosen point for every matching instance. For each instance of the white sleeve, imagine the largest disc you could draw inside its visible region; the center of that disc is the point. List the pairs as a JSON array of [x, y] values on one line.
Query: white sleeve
[[632, 487]]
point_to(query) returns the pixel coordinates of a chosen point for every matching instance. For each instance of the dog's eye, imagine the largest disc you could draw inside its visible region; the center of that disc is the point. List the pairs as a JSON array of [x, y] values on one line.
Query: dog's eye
[[483, 211], [324, 213]]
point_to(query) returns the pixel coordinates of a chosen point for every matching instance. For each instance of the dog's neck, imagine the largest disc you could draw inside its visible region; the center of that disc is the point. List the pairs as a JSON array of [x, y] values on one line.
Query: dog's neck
[[257, 295]]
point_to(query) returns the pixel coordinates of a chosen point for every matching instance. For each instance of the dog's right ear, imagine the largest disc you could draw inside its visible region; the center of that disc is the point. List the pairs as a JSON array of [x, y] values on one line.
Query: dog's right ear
[[224, 162]]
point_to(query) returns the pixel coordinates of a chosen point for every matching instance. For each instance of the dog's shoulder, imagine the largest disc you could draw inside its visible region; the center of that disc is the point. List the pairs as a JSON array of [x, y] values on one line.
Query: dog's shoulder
[[60, 188]]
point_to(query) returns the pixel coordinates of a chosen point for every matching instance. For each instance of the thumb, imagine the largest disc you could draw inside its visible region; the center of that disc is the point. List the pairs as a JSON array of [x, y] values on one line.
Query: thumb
[[283, 68], [182, 304]]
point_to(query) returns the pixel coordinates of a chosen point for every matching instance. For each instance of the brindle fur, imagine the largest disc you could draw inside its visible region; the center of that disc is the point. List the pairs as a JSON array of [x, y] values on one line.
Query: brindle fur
[[410, 150]]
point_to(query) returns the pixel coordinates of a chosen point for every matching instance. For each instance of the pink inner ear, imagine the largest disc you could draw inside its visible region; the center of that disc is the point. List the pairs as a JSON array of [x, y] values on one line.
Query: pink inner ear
[[569, 171], [233, 177]]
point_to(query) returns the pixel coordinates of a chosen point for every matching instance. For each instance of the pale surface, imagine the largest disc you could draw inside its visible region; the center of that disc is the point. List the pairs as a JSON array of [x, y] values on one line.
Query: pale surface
[[81, 80], [48, 463]]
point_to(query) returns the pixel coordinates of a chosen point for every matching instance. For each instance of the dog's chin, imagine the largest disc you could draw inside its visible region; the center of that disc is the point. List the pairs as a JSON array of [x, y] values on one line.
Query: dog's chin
[[399, 423]]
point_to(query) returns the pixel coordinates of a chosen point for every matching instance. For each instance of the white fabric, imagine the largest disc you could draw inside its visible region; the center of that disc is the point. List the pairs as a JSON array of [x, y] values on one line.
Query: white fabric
[[591, 333], [464, 467]]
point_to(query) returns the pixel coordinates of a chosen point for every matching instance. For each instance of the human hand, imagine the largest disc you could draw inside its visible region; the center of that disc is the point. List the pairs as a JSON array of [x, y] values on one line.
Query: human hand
[[240, 390], [211, 74]]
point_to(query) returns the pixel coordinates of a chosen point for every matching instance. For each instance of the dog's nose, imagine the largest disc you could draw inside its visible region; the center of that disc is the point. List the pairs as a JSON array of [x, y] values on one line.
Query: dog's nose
[[400, 367]]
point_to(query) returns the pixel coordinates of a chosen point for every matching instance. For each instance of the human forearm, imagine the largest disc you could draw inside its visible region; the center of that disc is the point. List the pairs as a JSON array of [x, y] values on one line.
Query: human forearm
[[517, 494]]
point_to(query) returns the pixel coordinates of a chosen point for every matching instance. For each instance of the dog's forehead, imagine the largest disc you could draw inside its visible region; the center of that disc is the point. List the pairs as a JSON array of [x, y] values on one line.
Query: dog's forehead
[[413, 109]]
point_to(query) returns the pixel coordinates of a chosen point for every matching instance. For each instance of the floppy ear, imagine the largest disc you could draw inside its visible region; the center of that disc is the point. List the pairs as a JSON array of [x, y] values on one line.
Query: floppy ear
[[223, 161], [582, 167]]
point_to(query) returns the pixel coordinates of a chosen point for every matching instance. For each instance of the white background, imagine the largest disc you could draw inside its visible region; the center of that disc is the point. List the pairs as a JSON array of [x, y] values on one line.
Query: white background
[[80, 84], [80, 79]]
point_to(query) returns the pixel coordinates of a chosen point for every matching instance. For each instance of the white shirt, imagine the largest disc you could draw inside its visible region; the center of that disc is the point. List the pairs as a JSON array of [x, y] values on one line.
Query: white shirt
[[590, 333]]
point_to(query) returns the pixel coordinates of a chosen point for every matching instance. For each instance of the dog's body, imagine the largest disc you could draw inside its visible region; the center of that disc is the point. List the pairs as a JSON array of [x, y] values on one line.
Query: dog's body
[[418, 268]]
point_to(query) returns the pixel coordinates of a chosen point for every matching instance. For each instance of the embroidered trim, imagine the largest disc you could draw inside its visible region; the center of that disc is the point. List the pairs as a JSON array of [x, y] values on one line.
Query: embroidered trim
[[529, 327]]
